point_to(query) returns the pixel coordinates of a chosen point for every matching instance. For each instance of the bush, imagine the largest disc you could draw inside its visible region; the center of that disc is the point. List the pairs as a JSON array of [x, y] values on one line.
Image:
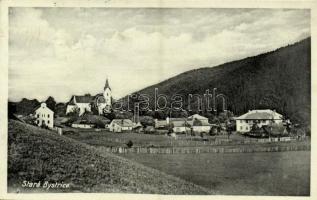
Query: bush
[[130, 144]]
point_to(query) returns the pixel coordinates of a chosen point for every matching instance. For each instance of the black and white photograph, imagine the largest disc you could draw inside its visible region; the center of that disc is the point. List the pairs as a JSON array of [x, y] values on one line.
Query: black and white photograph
[[159, 100]]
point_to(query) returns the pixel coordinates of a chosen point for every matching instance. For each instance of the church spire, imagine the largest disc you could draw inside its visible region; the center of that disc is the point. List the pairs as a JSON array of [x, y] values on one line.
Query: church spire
[[107, 84]]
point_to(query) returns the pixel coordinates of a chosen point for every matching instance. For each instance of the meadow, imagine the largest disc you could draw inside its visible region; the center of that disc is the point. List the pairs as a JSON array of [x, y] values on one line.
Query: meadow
[[278, 173], [274, 173], [109, 139], [36, 154]]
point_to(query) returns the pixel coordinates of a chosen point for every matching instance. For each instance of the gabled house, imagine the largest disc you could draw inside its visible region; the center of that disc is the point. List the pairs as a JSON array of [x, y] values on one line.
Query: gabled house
[[200, 126], [199, 123], [121, 125], [261, 118], [83, 103], [181, 126], [44, 116]]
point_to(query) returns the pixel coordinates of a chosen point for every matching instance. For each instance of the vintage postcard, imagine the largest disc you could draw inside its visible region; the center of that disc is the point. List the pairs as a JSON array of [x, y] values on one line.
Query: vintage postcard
[[156, 99]]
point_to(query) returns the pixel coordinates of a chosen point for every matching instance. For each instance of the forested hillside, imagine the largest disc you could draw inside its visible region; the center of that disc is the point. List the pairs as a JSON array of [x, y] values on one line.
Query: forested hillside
[[277, 80]]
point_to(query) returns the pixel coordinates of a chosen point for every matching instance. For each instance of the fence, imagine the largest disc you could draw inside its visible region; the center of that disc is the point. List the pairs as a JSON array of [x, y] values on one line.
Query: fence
[[197, 150], [181, 142]]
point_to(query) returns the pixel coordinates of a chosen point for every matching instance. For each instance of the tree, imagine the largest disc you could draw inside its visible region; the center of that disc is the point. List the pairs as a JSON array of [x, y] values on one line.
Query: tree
[[170, 128], [60, 109], [129, 144], [229, 128], [51, 103], [73, 115], [147, 120]]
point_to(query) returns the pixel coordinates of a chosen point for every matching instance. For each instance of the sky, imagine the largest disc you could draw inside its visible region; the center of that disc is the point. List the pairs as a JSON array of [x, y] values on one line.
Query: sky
[[62, 52]]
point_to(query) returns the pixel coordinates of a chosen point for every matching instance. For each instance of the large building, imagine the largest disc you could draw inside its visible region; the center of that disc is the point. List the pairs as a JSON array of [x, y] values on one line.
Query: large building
[[245, 122], [44, 116], [101, 102]]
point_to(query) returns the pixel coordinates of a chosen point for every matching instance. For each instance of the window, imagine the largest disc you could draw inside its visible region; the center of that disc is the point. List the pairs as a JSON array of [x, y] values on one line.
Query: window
[[241, 128], [38, 115], [247, 121], [246, 128], [48, 115], [48, 121]]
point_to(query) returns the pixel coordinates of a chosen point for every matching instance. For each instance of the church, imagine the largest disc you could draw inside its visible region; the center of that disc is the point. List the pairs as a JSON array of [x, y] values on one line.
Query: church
[[100, 102]]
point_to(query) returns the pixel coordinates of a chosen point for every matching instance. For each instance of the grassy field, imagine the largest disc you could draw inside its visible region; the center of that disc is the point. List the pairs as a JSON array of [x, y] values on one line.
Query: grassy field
[[107, 139], [36, 154], [279, 173]]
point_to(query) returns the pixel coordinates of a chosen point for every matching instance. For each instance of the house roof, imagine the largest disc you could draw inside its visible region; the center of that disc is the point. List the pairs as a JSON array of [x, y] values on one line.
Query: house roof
[[197, 116], [177, 119], [84, 99], [261, 114], [39, 106], [123, 122]]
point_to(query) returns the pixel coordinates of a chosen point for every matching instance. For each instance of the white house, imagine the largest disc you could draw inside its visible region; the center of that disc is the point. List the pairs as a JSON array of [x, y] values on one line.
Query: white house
[[245, 122], [102, 102], [199, 123], [121, 125], [201, 126], [180, 126], [44, 116]]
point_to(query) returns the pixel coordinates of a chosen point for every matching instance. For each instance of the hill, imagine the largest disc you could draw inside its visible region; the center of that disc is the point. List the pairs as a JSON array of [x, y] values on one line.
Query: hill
[[277, 80], [36, 154]]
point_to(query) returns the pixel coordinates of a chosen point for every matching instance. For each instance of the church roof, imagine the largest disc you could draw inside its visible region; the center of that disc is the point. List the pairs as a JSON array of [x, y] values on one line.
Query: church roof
[[107, 85], [84, 99], [123, 122]]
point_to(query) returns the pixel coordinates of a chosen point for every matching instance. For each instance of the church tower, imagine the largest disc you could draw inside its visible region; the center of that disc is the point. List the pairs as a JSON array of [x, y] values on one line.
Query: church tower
[[107, 96]]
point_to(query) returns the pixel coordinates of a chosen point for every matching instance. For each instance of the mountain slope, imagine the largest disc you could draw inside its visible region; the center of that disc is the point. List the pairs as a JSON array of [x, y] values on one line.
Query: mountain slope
[[36, 154], [277, 80]]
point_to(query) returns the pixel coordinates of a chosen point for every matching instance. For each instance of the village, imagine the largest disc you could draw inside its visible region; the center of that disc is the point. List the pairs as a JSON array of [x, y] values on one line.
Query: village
[[259, 125]]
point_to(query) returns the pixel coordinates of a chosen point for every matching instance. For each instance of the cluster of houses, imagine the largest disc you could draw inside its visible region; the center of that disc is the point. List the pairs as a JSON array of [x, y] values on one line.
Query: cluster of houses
[[195, 123]]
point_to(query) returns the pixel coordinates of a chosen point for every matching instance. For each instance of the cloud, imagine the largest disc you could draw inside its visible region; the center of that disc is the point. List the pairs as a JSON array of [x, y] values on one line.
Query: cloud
[[72, 51]]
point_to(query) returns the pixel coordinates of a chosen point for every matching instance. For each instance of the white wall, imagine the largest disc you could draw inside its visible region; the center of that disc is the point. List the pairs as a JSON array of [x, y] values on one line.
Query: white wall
[[246, 125], [44, 115], [201, 129], [82, 108], [180, 129]]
